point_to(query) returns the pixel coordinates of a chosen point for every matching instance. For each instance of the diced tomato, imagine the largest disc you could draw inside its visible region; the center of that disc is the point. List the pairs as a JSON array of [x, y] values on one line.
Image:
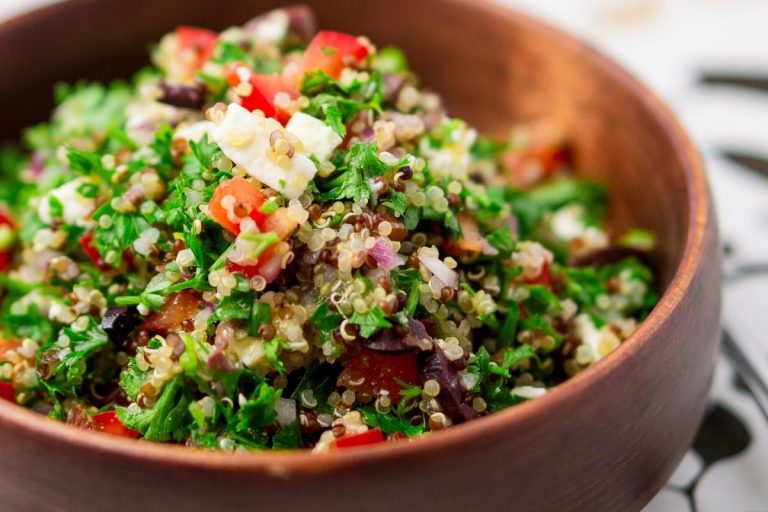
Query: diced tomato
[[6, 391], [108, 423], [6, 255], [249, 271], [198, 40], [248, 199], [380, 371], [398, 436], [280, 223], [268, 267], [330, 52], [544, 278], [178, 307], [371, 436], [543, 155], [7, 344], [86, 242], [264, 88], [5, 260]]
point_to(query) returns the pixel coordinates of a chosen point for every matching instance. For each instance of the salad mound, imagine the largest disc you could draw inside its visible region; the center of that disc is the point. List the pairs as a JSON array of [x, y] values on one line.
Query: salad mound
[[273, 238]]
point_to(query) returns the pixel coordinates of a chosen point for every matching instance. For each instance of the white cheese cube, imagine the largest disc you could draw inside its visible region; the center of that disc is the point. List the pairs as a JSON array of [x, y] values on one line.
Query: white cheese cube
[[244, 137], [75, 207], [318, 138]]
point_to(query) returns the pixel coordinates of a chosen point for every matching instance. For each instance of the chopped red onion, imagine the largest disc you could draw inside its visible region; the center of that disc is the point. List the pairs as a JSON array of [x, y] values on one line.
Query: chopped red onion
[[385, 256], [441, 271]]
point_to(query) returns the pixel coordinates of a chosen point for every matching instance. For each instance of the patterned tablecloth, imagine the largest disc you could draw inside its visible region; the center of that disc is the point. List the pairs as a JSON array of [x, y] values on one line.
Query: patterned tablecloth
[[709, 60]]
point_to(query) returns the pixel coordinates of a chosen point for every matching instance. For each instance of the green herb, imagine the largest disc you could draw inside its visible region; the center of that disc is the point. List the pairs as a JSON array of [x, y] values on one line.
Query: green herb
[[486, 148], [168, 419], [120, 235], [396, 201], [502, 240], [258, 411], [260, 315], [370, 322], [71, 364], [411, 217], [288, 437], [325, 319], [226, 52], [272, 348], [391, 423], [391, 59], [640, 239], [132, 378], [542, 300]]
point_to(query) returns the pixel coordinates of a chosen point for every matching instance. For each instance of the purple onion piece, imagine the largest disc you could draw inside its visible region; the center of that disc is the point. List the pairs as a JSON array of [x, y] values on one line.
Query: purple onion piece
[[119, 323], [385, 256], [219, 361], [393, 83], [37, 164], [434, 365], [367, 135], [182, 96], [390, 340]]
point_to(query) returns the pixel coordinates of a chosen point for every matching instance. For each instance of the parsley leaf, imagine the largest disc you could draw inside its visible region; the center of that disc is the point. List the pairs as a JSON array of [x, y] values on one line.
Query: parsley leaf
[[257, 412], [72, 365], [120, 235], [260, 314], [390, 423], [167, 419], [511, 357], [370, 322], [325, 319], [502, 240], [362, 165], [272, 348], [132, 378], [396, 201], [288, 437]]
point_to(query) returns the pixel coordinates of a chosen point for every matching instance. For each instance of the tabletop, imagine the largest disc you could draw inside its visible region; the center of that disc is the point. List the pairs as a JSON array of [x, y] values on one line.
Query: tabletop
[[708, 60]]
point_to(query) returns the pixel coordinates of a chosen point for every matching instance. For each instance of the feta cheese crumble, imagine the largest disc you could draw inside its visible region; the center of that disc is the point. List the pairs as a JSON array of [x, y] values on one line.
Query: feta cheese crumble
[[75, 208], [245, 138], [318, 138]]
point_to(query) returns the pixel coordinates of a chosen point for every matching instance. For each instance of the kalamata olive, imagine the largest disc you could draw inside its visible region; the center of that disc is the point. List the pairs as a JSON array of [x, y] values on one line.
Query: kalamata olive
[[182, 96], [387, 341], [120, 322], [434, 365]]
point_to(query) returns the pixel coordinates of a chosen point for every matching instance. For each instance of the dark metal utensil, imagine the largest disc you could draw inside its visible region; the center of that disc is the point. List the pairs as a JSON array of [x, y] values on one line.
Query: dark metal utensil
[[741, 343]]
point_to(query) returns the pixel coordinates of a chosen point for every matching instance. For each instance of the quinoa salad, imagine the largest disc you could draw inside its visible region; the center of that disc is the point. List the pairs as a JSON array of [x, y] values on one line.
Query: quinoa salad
[[275, 238]]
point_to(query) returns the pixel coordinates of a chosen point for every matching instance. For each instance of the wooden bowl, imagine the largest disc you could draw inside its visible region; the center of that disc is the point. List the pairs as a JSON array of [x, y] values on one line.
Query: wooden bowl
[[606, 440]]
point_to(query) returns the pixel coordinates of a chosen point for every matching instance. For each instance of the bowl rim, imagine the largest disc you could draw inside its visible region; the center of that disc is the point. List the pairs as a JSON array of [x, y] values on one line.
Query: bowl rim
[[304, 462]]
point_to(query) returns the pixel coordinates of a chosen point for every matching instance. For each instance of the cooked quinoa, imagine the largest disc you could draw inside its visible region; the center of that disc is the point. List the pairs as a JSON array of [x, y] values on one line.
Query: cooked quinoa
[[275, 239]]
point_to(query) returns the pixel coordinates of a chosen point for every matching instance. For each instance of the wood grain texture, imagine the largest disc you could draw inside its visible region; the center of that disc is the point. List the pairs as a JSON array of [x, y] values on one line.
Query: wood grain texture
[[605, 441]]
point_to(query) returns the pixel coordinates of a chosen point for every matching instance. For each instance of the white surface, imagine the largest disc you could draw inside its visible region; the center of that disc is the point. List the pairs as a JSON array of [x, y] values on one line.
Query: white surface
[[10, 8]]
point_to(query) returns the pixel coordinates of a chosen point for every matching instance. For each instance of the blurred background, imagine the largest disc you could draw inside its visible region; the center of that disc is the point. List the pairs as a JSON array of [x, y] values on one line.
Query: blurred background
[[709, 60]]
